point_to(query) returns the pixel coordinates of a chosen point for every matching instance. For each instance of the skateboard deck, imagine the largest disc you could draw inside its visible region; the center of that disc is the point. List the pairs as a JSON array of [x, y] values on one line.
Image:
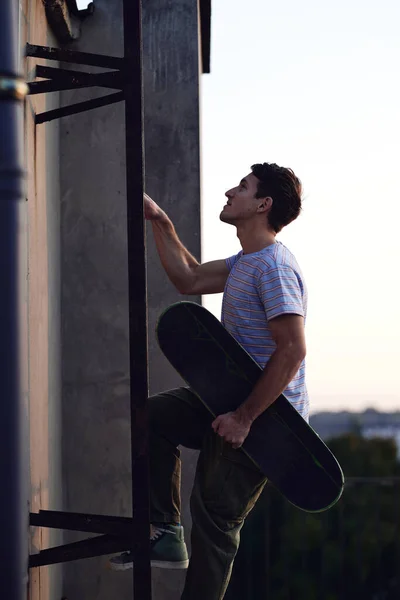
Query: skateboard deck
[[222, 374]]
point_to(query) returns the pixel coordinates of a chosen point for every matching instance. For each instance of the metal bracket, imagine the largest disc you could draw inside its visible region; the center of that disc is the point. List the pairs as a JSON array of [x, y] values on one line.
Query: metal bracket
[[116, 535], [64, 79], [79, 107], [72, 56]]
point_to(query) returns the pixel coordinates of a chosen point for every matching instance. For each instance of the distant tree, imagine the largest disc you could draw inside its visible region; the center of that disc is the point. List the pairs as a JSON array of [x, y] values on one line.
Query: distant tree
[[350, 551], [355, 425]]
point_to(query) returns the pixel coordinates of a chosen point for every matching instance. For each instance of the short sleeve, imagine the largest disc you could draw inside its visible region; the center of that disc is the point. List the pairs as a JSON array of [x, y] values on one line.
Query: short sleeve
[[232, 260], [280, 291]]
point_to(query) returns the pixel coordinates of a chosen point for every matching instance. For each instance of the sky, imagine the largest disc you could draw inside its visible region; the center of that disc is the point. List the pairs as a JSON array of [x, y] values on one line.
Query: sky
[[315, 86]]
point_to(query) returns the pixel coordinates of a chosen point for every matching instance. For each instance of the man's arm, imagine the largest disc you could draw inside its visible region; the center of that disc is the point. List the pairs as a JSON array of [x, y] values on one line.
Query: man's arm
[[288, 333], [184, 271]]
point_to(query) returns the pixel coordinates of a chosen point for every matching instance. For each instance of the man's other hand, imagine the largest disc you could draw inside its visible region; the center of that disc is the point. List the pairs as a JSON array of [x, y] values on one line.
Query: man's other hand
[[232, 428]]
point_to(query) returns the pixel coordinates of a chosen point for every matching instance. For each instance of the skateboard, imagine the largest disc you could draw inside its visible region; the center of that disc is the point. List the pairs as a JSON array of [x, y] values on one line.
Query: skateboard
[[222, 374]]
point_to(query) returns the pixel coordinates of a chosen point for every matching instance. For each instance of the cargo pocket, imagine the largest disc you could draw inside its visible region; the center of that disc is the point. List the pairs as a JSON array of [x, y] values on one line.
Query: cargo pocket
[[230, 482]]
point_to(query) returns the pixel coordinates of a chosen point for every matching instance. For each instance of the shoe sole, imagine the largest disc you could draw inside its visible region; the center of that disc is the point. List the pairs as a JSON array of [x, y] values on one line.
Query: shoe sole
[[164, 564], [157, 564]]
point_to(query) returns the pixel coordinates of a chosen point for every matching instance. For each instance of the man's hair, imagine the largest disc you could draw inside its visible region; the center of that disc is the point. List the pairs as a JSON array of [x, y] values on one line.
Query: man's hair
[[284, 188]]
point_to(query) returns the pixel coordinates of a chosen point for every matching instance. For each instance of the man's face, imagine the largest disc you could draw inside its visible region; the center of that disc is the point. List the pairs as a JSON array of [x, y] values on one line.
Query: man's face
[[241, 201]]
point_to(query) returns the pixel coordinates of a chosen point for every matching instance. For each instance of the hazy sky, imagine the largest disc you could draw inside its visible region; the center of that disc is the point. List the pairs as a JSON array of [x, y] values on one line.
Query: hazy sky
[[316, 86]]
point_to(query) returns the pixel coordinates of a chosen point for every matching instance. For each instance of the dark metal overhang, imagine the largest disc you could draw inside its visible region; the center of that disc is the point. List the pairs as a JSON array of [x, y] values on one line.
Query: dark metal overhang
[[205, 28]]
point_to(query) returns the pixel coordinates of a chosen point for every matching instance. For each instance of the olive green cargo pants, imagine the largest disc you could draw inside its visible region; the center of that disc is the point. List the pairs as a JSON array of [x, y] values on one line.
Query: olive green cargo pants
[[226, 487]]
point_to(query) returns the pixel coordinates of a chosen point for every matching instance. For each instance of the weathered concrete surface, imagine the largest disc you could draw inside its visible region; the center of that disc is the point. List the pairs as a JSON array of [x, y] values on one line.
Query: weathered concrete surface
[[96, 434], [42, 334]]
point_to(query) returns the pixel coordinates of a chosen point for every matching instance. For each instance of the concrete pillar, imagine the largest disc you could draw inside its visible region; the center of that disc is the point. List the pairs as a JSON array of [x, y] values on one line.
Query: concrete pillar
[[95, 375]]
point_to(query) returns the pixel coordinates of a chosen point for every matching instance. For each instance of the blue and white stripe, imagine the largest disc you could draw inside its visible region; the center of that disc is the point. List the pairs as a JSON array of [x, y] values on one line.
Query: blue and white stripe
[[260, 287]]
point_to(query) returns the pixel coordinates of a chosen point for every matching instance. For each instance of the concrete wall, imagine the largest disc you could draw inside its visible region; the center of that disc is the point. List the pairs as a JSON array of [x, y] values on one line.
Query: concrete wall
[[95, 374], [42, 333]]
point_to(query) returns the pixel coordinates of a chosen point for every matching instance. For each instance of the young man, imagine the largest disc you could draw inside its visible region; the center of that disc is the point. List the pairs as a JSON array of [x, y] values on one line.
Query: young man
[[264, 308]]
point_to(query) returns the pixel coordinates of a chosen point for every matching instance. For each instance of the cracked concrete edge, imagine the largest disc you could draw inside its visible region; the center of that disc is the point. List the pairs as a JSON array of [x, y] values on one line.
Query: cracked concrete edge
[[64, 25]]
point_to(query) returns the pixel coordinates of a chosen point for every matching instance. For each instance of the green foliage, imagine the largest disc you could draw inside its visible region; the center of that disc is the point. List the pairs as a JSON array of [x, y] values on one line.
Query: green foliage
[[350, 551]]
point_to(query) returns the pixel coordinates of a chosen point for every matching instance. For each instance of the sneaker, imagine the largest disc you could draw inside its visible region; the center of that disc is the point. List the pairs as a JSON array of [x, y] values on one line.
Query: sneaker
[[167, 550]]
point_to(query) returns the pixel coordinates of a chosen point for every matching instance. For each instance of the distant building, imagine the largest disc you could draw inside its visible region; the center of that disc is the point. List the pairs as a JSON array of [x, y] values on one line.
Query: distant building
[[369, 424], [386, 432]]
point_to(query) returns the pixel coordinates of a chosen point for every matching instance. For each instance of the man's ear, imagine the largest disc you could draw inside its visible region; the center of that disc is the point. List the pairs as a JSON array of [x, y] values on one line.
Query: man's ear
[[265, 204]]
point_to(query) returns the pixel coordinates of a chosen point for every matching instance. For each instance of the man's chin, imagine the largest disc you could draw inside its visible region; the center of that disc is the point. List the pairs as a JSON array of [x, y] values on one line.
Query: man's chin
[[225, 218]]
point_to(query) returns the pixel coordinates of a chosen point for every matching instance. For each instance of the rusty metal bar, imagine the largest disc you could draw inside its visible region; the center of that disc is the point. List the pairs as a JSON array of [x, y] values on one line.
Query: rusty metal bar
[[83, 522], [95, 546], [72, 56], [60, 74], [72, 82], [138, 343], [79, 107]]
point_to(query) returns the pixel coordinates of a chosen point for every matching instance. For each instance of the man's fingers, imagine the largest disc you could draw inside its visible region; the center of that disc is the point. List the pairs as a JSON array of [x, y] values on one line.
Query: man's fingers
[[222, 426], [216, 423]]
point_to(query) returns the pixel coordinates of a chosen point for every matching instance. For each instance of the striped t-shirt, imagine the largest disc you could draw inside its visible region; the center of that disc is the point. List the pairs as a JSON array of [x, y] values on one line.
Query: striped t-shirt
[[261, 286]]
